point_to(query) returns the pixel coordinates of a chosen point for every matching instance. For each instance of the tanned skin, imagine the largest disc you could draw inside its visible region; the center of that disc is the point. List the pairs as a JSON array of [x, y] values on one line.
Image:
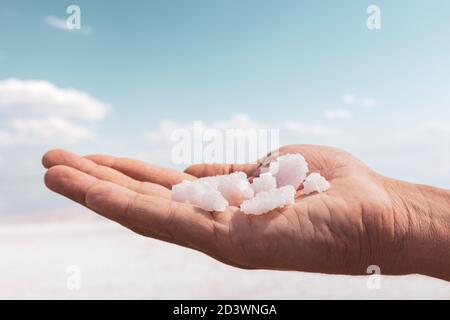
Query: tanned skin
[[363, 219]]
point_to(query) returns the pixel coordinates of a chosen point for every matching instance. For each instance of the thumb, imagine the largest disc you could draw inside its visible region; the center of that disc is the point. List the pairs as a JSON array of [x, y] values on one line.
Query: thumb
[[214, 169]]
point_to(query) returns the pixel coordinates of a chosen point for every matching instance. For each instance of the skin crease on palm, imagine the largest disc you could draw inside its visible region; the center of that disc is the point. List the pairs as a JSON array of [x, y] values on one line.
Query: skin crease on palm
[[363, 219]]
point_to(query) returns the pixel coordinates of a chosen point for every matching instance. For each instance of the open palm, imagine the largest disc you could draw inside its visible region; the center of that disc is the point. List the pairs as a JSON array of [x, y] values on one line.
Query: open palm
[[342, 230]]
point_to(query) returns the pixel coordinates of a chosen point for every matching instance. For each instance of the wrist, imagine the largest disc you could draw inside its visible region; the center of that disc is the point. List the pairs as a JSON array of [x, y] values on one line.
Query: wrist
[[422, 216]]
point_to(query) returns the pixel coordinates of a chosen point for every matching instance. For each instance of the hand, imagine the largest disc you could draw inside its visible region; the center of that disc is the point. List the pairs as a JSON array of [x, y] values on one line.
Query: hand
[[361, 220]]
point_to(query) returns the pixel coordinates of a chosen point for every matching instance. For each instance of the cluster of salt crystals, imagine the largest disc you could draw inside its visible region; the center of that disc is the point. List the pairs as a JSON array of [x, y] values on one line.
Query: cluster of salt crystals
[[214, 193], [275, 187], [235, 188], [315, 182], [264, 182], [266, 201], [290, 169]]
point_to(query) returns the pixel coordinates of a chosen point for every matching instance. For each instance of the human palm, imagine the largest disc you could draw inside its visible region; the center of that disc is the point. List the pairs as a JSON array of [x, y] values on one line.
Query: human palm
[[342, 230]]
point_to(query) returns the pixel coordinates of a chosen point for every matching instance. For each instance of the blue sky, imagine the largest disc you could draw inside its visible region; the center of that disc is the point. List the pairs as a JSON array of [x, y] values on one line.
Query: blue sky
[[163, 58], [271, 60]]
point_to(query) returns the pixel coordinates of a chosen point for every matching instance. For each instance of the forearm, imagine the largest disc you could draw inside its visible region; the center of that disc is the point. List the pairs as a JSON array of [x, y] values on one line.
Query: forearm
[[425, 215]]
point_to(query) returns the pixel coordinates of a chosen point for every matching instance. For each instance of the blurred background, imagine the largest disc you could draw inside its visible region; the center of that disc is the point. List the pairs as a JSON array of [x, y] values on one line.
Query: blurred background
[[136, 70]]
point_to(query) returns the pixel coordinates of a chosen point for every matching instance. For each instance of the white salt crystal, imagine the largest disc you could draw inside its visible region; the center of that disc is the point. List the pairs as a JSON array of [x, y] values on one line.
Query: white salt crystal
[[264, 182], [266, 201], [232, 189], [199, 193], [235, 188], [289, 169], [180, 192], [216, 193], [315, 182], [263, 170], [209, 182], [189, 192], [212, 200]]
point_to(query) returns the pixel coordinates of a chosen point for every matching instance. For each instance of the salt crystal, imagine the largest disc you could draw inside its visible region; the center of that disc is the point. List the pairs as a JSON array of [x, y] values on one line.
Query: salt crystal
[[180, 192], [289, 169], [235, 188], [212, 200], [232, 189], [274, 188], [209, 182], [264, 182], [266, 201], [188, 192], [315, 182]]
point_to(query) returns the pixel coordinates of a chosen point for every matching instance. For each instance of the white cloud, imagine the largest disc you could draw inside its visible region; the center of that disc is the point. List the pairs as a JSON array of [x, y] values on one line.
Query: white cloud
[[161, 143], [55, 22], [42, 113], [425, 132], [339, 113], [166, 127], [310, 129], [60, 24], [27, 97], [437, 127], [349, 98], [241, 121], [43, 131], [367, 103], [352, 99]]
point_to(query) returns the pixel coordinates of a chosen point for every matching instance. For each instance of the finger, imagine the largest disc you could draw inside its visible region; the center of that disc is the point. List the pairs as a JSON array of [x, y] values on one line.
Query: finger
[[142, 171], [214, 169], [65, 181], [75, 185], [66, 158], [158, 217]]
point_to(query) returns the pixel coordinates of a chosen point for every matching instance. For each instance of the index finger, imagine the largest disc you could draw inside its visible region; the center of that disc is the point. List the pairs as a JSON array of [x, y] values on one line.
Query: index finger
[[214, 169], [142, 171], [153, 216]]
